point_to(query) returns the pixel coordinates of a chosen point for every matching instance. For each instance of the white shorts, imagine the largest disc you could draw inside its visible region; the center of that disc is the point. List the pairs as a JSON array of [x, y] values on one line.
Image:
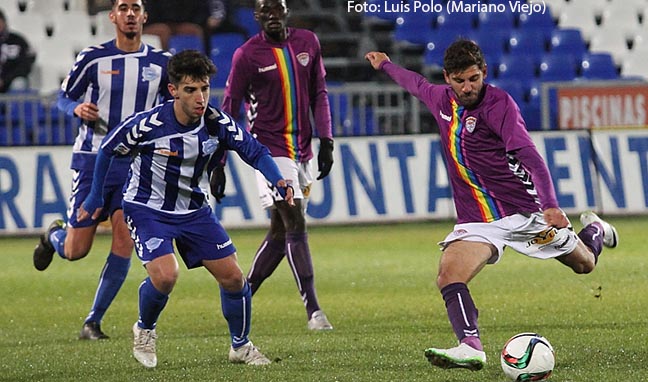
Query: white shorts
[[301, 175], [528, 235]]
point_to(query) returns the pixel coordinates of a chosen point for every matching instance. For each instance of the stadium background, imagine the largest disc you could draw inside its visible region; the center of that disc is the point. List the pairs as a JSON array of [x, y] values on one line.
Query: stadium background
[[575, 65]]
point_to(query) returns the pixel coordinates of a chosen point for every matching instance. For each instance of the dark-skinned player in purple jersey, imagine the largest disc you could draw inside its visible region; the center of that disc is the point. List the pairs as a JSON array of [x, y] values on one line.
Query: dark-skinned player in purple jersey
[[501, 187], [280, 75]]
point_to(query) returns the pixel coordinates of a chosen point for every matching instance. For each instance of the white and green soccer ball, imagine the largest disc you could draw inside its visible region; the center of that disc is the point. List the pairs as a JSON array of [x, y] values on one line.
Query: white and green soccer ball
[[527, 357]]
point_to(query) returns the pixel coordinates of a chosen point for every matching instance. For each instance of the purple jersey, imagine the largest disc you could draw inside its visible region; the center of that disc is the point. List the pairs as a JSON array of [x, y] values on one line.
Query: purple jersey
[[282, 83], [488, 181]]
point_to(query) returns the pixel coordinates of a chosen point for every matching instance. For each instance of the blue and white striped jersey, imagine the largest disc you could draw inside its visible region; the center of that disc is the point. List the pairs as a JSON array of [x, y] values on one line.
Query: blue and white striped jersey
[[169, 159], [120, 84]]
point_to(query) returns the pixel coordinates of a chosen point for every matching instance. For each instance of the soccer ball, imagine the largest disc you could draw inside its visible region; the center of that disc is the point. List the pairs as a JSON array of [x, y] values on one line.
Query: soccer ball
[[527, 357]]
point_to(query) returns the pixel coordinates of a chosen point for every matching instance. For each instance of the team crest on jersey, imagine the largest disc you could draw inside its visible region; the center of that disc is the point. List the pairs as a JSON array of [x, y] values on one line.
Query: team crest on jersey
[[151, 73], [470, 123], [210, 146], [303, 58]]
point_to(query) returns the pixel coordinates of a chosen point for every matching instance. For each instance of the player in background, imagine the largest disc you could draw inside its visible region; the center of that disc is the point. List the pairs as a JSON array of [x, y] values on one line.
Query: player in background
[[163, 202], [502, 191], [279, 73], [107, 83]]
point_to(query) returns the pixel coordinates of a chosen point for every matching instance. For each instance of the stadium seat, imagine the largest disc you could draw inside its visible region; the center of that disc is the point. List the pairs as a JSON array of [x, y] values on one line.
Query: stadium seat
[[54, 60], [519, 67], [102, 24], [180, 42], [412, 28], [437, 42], [457, 20], [31, 25], [489, 21], [579, 15], [623, 18], [556, 6], [557, 67], [537, 23], [223, 46], [596, 6], [492, 43], [568, 41], [634, 65], [526, 42], [512, 87], [612, 41], [532, 108], [244, 17], [598, 66]]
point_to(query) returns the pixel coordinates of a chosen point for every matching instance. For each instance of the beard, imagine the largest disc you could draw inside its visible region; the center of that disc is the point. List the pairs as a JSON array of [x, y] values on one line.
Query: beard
[[130, 35]]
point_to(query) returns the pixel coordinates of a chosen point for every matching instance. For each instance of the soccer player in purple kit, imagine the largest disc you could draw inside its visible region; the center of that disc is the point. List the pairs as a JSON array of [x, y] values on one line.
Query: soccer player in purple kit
[[164, 203], [502, 191], [280, 74], [107, 83]]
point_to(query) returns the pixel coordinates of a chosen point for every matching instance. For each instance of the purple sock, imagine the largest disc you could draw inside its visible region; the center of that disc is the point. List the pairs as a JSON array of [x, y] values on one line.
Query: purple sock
[[265, 261], [299, 257], [462, 314], [592, 237]]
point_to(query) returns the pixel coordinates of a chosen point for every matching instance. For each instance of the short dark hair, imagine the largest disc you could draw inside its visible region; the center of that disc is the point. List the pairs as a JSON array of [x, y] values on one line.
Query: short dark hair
[[113, 2], [189, 63], [461, 55]]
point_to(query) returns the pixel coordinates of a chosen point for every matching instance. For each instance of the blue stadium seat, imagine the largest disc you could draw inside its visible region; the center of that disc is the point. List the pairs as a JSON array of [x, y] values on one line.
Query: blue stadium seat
[[512, 87], [598, 66], [519, 67], [437, 42], [538, 23], [568, 41], [557, 67], [456, 20], [531, 109], [180, 42], [489, 21], [492, 44], [413, 27], [244, 17], [223, 46], [527, 42]]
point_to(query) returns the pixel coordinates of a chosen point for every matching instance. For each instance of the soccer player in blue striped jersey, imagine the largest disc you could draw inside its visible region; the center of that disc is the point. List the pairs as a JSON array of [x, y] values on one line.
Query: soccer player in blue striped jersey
[[171, 146], [107, 83]]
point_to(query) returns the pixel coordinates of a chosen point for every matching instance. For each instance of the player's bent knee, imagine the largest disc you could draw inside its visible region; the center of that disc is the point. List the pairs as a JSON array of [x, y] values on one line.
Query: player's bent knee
[[232, 283]]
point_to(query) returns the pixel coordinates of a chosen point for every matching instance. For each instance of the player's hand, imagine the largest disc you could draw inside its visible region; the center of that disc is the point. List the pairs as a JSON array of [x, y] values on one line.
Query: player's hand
[[87, 111], [286, 191], [555, 217], [376, 59], [325, 157], [91, 207], [217, 181]]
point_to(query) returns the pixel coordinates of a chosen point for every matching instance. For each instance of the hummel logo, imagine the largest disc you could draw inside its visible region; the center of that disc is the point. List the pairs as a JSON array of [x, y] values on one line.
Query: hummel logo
[[445, 117], [112, 72], [225, 244], [167, 152], [268, 68]]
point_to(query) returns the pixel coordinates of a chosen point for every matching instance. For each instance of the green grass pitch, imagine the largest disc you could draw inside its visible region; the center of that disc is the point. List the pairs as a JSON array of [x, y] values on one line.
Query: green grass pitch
[[376, 284]]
